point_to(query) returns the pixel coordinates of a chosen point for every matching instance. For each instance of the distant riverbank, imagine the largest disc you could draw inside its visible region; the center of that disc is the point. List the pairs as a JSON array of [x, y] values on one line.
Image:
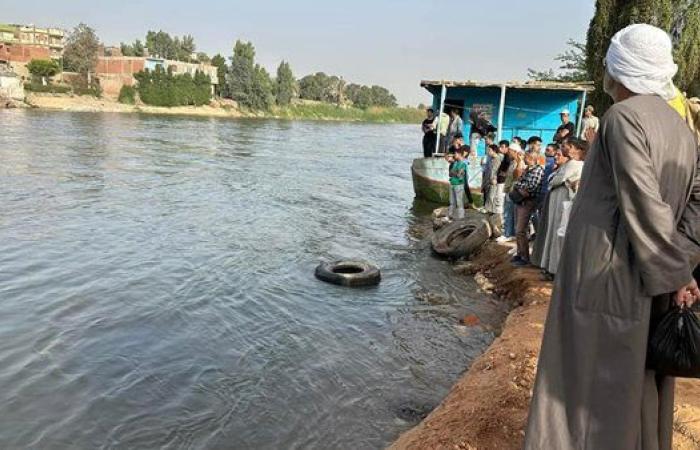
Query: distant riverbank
[[305, 111]]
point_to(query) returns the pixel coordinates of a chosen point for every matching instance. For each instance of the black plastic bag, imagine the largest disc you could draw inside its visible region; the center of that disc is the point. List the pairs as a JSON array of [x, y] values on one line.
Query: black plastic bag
[[674, 345]]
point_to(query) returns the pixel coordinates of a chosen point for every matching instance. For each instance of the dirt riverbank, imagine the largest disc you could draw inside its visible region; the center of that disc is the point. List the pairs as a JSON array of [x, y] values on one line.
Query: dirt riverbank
[[487, 408]]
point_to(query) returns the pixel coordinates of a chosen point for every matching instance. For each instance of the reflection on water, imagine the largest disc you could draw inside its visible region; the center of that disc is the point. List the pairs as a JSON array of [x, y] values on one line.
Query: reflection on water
[[157, 287]]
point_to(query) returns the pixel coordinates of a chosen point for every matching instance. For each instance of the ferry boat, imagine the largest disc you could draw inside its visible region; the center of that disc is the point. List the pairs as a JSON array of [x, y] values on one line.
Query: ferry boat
[[522, 109]]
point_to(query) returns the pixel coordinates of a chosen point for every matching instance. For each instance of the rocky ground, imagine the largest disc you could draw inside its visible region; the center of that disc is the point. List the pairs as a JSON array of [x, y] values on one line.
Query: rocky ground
[[487, 408]]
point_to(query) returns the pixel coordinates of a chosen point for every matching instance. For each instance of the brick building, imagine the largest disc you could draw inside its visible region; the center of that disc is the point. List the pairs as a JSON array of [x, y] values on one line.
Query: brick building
[[19, 44]]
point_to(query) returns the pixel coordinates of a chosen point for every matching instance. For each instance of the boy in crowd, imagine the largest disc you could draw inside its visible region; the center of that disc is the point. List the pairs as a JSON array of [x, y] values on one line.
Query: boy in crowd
[[519, 141], [458, 180], [534, 144]]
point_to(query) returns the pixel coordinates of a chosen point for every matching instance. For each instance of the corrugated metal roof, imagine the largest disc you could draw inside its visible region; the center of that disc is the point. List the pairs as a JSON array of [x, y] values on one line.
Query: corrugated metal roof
[[543, 85]]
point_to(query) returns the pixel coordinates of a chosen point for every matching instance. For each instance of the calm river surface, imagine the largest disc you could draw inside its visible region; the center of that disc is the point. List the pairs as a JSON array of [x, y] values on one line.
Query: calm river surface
[[157, 288]]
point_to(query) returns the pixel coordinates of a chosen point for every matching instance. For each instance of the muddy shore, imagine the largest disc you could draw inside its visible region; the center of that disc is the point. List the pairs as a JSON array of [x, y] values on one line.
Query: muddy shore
[[487, 408]]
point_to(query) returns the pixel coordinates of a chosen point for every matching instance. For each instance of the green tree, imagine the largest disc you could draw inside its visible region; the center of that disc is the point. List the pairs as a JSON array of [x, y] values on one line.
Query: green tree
[[187, 48], [679, 17], [572, 68], [80, 51], [219, 62], [241, 75], [127, 50], [138, 48], [285, 84], [43, 68], [261, 96], [161, 44], [312, 87], [380, 96]]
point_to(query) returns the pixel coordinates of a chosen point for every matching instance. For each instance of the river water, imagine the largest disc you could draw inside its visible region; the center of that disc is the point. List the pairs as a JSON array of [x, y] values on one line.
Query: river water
[[157, 288]]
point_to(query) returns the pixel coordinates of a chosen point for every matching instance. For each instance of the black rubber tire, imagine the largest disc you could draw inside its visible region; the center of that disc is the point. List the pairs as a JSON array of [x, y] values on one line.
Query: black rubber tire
[[349, 273], [461, 238]]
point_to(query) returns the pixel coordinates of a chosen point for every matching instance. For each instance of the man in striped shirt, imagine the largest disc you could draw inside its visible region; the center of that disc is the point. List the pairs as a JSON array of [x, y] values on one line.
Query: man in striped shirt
[[529, 186]]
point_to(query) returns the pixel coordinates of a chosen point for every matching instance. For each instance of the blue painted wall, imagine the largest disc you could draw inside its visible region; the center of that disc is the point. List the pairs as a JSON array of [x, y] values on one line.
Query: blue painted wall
[[529, 112]]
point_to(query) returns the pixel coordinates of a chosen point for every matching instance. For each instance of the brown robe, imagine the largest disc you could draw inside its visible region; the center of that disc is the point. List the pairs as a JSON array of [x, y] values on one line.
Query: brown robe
[[632, 233]]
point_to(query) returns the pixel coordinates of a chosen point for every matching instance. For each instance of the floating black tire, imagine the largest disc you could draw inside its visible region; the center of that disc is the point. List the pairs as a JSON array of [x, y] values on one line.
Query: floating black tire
[[461, 238], [348, 273]]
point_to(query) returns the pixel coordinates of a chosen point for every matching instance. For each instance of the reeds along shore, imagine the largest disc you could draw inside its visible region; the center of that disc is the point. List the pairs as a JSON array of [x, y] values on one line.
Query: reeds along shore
[[487, 408]]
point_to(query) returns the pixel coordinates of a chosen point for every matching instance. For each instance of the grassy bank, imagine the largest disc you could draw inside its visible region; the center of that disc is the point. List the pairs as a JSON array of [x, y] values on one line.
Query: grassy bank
[[325, 111]]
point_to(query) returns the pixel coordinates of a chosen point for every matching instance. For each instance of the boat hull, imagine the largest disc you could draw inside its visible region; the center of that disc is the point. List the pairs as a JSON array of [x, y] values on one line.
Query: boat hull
[[431, 180]]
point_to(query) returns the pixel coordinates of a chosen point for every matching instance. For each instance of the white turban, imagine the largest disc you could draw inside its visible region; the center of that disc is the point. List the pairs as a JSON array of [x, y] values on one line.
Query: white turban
[[641, 58]]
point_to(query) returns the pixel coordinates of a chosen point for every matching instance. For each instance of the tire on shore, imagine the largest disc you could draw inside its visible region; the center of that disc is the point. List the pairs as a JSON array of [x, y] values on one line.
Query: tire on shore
[[461, 238], [348, 273]]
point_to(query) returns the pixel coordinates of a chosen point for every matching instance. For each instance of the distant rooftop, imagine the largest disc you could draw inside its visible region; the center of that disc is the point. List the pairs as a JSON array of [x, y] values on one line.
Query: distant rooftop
[[544, 85]]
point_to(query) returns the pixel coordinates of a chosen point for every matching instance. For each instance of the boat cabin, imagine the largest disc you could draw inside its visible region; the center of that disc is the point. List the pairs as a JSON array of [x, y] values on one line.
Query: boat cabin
[[515, 109], [522, 109]]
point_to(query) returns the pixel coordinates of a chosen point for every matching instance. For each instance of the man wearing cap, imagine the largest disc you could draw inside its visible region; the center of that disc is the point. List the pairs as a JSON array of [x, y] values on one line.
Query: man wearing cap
[[633, 233], [566, 130]]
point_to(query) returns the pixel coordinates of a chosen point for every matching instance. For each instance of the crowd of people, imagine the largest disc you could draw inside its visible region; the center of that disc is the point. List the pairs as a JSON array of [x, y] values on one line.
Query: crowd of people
[[527, 192]]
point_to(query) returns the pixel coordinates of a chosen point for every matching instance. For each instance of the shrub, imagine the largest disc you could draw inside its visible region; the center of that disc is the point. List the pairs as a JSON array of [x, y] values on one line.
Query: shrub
[[50, 88], [93, 91], [127, 95], [43, 68], [163, 88]]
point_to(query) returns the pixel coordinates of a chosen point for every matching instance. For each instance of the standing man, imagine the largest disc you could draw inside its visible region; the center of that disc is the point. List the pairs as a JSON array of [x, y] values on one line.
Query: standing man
[[456, 126], [633, 232], [481, 127], [589, 125], [566, 130], [529, 186], [443, 125], [429, 133]]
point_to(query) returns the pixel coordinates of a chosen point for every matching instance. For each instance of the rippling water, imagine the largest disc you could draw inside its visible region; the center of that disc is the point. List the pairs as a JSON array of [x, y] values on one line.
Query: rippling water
[[157, 289]]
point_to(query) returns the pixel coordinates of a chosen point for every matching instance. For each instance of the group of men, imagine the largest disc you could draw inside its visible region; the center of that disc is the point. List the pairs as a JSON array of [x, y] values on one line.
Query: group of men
[[630, 249]]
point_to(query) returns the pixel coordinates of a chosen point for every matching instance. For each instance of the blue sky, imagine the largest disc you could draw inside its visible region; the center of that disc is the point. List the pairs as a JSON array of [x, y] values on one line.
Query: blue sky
[[394, 43]]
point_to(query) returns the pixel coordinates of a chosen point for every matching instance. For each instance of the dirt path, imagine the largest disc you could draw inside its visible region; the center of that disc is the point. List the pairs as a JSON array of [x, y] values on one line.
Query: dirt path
[[487, 408]]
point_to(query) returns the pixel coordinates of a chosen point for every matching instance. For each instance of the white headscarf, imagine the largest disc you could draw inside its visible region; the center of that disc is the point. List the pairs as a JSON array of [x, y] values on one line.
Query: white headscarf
[[641, 58]]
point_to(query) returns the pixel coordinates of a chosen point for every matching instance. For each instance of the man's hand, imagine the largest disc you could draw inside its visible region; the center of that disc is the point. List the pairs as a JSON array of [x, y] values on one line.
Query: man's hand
[[687, 295]]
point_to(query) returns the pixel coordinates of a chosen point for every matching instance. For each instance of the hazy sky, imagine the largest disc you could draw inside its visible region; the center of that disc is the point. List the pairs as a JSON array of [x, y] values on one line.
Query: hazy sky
[[394, 43]]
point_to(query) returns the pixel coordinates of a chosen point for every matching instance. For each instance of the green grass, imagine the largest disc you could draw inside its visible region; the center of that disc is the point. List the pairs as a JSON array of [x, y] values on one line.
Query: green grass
[[325, 111]]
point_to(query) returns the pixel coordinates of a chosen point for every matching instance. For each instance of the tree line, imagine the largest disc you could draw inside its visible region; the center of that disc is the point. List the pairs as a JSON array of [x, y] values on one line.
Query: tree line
[[253, 87], [163, 45], [240, 78], [583, 61]]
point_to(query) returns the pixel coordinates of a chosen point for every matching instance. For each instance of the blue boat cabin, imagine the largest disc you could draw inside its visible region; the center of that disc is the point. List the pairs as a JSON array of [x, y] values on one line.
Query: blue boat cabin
[[516, 109]]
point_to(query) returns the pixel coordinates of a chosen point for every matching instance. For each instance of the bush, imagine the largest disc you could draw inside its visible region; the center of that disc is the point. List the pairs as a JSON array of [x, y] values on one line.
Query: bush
[[93, 91], [161, 88], [127, 95], [49, 88]]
